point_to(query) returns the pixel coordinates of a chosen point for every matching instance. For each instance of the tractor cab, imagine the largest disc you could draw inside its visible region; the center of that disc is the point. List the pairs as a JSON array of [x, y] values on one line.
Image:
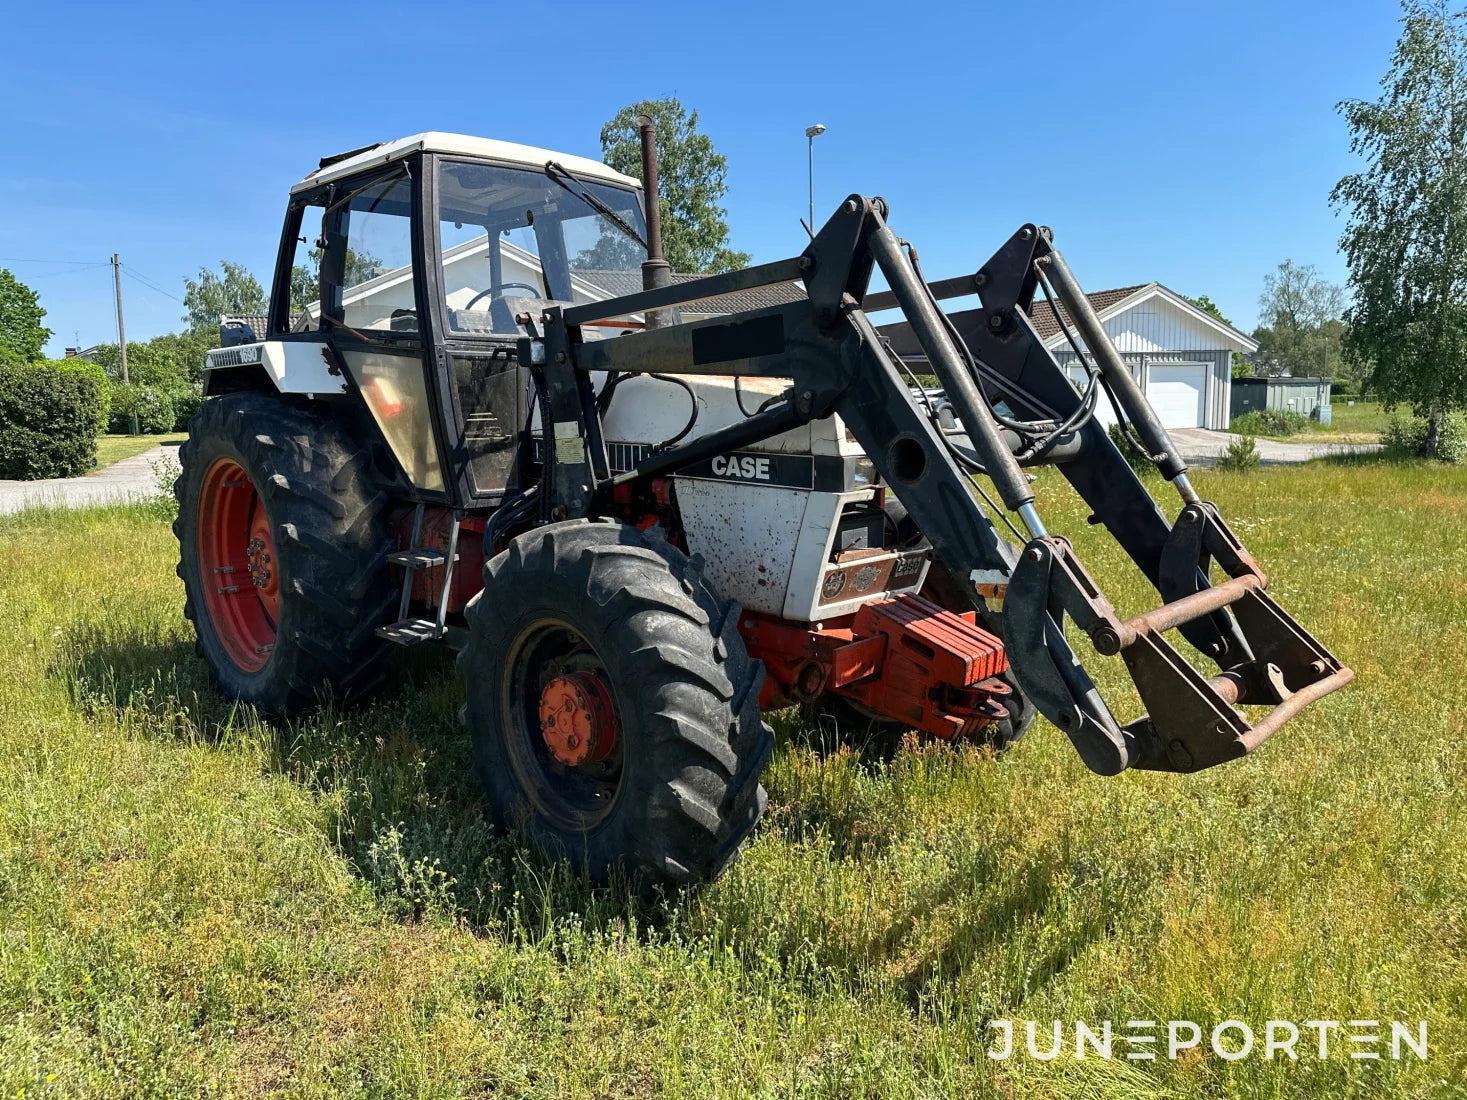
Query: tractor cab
[[409, 270]]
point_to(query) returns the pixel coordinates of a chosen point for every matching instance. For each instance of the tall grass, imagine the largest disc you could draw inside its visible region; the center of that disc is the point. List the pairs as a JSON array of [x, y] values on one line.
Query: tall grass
[[195, 903]]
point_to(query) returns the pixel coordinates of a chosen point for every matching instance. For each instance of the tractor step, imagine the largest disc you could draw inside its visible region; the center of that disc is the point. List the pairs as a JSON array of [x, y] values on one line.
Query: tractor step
[[419, 558], [411, 631]]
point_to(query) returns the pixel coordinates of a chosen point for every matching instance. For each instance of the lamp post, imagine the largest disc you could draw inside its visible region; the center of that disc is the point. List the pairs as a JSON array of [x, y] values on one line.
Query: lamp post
[[812, 132]]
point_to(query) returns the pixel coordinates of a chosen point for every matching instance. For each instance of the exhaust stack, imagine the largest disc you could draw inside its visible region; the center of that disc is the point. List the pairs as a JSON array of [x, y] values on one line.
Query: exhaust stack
[[656, 272]]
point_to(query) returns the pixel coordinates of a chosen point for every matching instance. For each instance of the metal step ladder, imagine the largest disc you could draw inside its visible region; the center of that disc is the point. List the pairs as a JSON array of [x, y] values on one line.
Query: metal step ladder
[[409, 630]]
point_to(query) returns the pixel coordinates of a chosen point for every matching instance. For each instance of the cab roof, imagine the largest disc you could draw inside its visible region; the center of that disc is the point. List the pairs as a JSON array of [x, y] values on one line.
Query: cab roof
[[499, 152]]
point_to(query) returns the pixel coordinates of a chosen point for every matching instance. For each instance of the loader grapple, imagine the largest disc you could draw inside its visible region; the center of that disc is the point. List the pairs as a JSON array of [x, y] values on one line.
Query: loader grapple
[[841, 363]]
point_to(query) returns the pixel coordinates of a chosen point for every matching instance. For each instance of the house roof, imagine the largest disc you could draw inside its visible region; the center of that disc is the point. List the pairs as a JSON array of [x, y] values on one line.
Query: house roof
[[1043, 318], [1111, 303], [619, 283], [501, 152]]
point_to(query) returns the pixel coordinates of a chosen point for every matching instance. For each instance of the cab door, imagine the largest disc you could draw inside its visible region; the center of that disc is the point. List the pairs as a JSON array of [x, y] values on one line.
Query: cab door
[[371, 303], [484, 271]]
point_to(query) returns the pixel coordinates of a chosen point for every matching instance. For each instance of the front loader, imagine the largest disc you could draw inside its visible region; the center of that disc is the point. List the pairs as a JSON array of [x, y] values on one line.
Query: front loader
[[644, 516]]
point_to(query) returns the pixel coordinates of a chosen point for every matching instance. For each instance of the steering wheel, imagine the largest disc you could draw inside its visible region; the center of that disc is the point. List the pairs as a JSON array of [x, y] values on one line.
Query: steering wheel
[[498, 292]]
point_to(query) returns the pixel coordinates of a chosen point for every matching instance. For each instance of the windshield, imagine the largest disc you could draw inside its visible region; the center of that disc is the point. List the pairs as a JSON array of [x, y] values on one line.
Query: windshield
[[514, 236]]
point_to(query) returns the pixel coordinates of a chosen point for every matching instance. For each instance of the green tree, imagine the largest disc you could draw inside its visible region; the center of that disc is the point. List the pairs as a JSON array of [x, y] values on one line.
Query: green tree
[[183, 353], [22, 336], [305, 285], [169, 368], [1207, 305], [1406, 235], [305, 279], [692, 177], [1300, 328], [235, 290], [1241, 367]]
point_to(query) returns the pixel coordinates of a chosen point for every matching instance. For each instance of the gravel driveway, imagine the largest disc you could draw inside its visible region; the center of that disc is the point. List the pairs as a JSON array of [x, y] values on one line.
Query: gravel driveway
[[1203, 447], [130, 479]]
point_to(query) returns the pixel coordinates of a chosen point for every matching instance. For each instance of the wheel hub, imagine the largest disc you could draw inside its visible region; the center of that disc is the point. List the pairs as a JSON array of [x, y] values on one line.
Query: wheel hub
[[258, 565], [234, 543], [577, 719]]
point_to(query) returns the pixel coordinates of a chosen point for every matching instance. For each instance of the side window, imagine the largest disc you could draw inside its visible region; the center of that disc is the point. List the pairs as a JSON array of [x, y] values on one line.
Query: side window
[[304, 306], [371, 259]]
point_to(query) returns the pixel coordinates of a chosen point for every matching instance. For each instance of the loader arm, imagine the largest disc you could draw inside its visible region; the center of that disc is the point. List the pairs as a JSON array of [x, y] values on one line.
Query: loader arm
[[839, 362]]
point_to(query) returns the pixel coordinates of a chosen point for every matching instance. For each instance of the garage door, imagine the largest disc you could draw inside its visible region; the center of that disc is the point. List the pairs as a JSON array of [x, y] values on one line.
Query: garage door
[[1176, 392]]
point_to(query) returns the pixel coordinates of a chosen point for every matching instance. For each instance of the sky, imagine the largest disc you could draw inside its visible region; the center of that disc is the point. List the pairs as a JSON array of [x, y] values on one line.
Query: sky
[[1195, 145]]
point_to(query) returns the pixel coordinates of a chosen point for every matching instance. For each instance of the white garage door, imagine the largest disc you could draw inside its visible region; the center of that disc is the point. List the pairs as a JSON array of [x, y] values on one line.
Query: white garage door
[[1176, 391]]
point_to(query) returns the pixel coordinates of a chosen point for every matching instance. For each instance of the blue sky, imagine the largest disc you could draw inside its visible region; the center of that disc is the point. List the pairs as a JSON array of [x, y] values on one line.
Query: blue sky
[[1195, 145]]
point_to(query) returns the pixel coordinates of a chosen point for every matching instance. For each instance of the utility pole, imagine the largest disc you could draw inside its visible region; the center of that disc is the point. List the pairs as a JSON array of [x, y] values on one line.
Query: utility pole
[[121, 335]]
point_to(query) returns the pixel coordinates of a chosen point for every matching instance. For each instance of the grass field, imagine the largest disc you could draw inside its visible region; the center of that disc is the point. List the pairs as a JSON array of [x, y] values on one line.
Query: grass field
[[1363, 416], [1362, 422], [193, 904], [112, 449]]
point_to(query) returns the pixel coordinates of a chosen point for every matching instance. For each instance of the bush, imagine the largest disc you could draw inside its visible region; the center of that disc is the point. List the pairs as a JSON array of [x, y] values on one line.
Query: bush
[[1407, 438], [186, 402], [1271, 422], [1135, 457], [48, 420], [1242, 454], [162, 502], [87, 369], [153, 408]]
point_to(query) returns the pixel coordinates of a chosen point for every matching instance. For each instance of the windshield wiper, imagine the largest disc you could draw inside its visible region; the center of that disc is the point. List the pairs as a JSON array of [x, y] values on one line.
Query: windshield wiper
[[558, 173]]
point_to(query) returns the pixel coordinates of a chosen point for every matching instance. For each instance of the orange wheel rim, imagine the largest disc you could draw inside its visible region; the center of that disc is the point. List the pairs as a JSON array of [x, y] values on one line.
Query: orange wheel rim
[[238, 567]]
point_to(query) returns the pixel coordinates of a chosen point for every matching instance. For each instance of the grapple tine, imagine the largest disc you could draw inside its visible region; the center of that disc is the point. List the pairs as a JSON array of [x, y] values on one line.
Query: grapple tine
[[1191, 722]]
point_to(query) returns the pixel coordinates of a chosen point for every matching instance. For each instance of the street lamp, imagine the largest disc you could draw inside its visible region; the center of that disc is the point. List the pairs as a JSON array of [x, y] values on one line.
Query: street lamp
[[812, 132]]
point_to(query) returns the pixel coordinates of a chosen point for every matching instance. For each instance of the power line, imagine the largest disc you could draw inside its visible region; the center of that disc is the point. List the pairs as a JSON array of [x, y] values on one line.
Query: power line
[[80, 263], [152, 284], [133, 275], [46, 276]]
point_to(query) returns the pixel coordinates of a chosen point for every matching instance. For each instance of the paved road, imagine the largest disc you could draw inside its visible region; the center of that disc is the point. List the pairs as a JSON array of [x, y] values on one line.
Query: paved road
[[130, 479], [133, 478], [1202, 447]]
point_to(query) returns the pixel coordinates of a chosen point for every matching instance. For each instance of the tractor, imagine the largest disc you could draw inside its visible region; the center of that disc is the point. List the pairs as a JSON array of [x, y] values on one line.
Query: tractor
[[646, 508]]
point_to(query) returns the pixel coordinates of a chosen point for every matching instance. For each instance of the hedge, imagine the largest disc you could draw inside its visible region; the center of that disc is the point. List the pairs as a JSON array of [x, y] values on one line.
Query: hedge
[[85, 367], [1271, 422], [1407, 438], [150, 404], [48, 421]]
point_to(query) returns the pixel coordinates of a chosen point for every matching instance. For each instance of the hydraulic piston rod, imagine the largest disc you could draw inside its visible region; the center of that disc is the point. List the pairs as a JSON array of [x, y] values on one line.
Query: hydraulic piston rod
[[1133, 402], [957, 380]]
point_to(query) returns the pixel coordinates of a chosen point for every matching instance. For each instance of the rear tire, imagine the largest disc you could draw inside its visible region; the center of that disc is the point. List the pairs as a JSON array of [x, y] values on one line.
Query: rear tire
[[310, 565], [679, 791]]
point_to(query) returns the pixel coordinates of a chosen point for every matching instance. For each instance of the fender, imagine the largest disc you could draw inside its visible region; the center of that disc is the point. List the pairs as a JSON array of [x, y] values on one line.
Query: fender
[[289, 366]]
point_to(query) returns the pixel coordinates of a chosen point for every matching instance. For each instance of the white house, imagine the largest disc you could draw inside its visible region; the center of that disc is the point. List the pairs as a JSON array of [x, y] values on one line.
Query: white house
[[1181, 355]]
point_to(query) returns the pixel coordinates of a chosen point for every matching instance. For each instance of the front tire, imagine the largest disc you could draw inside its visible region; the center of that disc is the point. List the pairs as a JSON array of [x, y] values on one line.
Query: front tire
[[615, 633], [282, 551]]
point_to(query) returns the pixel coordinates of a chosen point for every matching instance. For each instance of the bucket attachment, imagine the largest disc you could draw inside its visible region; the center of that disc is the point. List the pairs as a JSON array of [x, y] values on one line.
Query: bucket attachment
[[1262, 655], [1190, 722]]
